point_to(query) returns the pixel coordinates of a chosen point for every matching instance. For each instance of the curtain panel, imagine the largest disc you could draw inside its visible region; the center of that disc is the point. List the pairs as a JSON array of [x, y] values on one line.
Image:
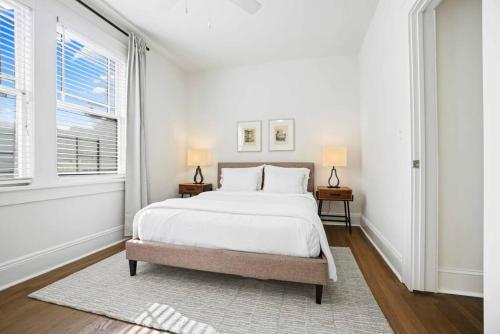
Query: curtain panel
[[137, 178]]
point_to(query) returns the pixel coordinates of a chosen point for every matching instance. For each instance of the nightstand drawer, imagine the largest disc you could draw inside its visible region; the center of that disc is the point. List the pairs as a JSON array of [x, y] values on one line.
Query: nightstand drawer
[[189, 189], [194, 189], [334, 194]]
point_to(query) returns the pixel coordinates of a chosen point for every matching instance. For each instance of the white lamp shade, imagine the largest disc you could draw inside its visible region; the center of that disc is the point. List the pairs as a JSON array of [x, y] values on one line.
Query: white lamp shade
[[199, 157], [335, 156]]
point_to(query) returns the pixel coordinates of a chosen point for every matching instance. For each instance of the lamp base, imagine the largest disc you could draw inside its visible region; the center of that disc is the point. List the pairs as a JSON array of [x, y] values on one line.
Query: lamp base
[[332, 172], [198, 172]]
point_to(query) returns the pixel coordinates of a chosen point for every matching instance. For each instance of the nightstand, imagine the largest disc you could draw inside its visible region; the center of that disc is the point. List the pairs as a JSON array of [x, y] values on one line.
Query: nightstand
[[341, 194], [193, 189]]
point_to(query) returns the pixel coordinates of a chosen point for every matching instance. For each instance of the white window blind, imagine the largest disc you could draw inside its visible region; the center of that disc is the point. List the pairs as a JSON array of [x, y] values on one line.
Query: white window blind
[[15, 92], [90, 107]]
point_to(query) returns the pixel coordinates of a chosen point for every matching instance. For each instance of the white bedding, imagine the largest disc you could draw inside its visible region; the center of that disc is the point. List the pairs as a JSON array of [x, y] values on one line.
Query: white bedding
[[284, 224]]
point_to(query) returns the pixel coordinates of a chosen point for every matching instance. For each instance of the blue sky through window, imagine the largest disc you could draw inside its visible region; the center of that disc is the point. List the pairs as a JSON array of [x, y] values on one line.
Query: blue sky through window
[[7, 101], [85, 77], [7, 50]]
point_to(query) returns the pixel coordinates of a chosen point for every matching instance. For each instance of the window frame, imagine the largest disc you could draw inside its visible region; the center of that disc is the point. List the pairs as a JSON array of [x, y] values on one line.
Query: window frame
[[120, 103], [25, 73]]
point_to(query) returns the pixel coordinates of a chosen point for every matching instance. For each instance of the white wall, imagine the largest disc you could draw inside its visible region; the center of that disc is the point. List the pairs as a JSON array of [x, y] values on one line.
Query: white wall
[[491, 114], [385, 130], [320, 94], [460, 128], [166, 105], [57, 219]]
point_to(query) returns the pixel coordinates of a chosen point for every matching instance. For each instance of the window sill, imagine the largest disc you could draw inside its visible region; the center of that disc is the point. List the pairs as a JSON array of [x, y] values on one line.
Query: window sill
[[63, 188], [73, 180], [65, 181]]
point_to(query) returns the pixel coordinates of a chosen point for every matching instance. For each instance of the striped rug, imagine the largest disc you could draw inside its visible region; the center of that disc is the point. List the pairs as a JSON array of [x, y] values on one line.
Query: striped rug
[[186, 301]]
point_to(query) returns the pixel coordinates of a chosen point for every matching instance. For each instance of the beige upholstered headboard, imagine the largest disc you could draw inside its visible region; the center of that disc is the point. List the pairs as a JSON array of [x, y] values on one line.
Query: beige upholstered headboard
[[309, 165]]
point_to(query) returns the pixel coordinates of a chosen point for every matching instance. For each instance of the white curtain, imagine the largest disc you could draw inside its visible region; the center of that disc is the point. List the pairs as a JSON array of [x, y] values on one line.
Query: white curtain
[[137, 179]]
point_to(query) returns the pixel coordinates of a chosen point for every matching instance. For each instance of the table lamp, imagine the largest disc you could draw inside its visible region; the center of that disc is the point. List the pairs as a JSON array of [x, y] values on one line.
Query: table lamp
[[198, 157], [335, 157]]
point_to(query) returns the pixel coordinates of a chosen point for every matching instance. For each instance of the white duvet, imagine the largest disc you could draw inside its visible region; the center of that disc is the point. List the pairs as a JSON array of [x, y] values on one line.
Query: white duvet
[[284, 224]]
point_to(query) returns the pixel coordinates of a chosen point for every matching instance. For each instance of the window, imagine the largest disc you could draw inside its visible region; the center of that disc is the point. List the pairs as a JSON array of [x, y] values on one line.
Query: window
[[15, 93], [90, 107]]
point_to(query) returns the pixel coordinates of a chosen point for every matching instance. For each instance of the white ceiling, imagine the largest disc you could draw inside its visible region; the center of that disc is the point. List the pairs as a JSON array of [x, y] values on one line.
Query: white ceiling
[[280, 30]]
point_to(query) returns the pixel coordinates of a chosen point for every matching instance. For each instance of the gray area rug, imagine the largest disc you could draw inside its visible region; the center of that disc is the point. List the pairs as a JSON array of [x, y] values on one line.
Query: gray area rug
[[187, 301]]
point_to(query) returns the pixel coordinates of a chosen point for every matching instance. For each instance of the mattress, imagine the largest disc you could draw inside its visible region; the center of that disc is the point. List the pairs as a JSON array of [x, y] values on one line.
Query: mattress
[[282, 224]]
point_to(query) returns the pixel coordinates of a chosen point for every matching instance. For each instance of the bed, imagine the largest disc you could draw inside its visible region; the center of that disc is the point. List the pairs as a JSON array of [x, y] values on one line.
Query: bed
[[258, 235]]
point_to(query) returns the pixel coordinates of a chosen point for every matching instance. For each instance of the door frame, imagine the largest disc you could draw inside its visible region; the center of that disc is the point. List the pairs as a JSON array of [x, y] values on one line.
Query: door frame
[[421, 271]]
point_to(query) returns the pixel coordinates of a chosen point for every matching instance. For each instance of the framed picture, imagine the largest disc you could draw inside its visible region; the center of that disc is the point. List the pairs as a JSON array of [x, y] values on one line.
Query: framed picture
[[281, 135], [249, 136]]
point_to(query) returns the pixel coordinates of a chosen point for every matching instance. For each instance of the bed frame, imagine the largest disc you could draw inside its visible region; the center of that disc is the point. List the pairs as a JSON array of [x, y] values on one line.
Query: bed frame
[[247, 264]]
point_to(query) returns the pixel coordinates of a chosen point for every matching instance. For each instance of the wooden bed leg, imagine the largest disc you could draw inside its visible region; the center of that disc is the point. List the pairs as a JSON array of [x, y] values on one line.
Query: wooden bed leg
[[319, 293], [132, 264]]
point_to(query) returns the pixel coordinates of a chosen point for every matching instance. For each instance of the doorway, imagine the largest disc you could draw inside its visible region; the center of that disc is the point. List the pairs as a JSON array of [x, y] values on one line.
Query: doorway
[[447, 146]]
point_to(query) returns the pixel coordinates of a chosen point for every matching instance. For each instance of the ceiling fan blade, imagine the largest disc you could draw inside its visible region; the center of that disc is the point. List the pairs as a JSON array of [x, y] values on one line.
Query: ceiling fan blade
[[249, 6]]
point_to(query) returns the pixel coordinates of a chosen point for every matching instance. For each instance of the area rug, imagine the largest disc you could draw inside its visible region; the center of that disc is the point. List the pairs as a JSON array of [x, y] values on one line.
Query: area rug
[[187, 301]]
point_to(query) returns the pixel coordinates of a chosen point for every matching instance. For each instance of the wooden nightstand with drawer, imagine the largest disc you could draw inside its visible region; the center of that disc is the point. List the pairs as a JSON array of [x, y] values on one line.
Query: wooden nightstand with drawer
[[341, 194], [193, 189]]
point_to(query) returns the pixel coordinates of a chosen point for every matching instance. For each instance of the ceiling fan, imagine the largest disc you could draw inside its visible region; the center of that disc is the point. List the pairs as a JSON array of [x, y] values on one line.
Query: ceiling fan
[[249, 6]]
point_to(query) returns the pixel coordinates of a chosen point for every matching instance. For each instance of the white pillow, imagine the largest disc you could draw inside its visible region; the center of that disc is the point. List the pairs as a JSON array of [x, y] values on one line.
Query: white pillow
[[241, 179], [306, 172], [285, 180]]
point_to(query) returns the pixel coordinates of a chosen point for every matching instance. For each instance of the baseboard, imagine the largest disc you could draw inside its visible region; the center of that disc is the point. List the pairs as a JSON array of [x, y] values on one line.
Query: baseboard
[[388, 252], [22, 268], [458, 281], [355, 219]]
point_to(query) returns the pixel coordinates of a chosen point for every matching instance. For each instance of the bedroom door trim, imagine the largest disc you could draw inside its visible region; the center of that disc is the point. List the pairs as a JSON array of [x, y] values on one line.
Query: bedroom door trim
[[421, 271]]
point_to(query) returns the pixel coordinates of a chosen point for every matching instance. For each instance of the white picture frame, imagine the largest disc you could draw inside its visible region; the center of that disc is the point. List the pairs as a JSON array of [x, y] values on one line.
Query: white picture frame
[[282, 134], [249, 136]]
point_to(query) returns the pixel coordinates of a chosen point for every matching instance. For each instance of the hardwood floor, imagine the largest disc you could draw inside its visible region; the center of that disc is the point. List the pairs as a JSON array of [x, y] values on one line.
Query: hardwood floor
[[407, 312]]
